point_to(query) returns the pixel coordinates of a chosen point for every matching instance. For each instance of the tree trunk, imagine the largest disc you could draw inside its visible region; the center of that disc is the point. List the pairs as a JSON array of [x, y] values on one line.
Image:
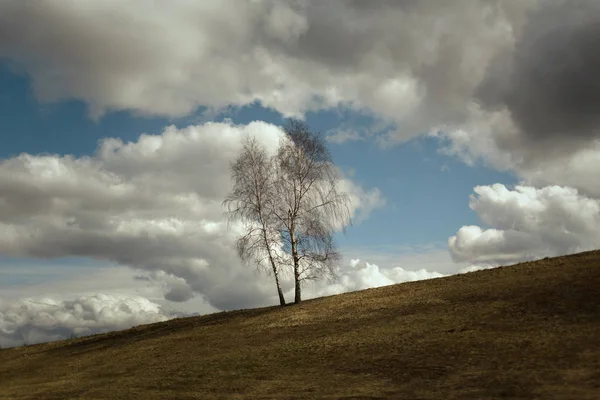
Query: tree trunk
[[274, 267], [279, 291], [276, 274], [298, 288]]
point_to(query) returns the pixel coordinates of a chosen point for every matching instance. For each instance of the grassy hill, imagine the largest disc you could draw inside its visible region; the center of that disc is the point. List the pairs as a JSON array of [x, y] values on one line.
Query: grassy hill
[[530, 331]]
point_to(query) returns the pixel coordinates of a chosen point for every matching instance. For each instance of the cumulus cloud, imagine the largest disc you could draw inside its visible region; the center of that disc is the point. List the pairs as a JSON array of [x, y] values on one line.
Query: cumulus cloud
[[153, 204], [527, 223], [31, 321]]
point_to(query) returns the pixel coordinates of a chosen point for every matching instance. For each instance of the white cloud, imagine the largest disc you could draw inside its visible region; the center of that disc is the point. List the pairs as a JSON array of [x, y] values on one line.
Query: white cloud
[[33, 321], [63, 280], [362, 202], [359, 275], [153, 204], [430, 257], [527, 223]]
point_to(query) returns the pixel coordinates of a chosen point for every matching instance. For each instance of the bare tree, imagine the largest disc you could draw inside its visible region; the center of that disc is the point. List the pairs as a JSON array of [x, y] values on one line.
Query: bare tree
[[308, 204], [250, 201], [291, 206]]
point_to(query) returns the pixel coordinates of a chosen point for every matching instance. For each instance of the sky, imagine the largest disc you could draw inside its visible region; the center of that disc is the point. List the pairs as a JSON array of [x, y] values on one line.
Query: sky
[[466, 135]]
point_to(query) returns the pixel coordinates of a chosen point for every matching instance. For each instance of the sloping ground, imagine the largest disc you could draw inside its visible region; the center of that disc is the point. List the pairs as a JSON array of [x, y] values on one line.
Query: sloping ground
[[530, 331]]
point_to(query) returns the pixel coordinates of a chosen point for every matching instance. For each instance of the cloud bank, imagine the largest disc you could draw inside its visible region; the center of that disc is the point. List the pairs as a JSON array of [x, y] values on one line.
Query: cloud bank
[[31, 321], [47, 318]]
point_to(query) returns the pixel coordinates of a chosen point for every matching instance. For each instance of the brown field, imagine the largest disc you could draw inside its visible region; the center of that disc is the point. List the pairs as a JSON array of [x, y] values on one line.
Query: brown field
[[530, 331]]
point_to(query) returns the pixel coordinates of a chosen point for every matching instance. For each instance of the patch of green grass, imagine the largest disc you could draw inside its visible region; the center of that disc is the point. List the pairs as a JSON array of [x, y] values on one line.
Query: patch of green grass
[[528, 331]]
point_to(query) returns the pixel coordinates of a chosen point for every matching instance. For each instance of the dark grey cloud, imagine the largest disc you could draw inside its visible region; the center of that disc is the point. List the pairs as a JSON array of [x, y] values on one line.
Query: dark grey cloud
[[550, 82], [179, 293]]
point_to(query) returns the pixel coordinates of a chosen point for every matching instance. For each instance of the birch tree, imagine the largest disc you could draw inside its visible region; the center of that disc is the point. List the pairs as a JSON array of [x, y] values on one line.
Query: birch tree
[[290, 206], [250, 202], [308, 204]]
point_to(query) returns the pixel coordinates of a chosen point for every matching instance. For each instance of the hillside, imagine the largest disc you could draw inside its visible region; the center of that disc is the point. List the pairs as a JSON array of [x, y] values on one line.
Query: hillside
[[521, 332]]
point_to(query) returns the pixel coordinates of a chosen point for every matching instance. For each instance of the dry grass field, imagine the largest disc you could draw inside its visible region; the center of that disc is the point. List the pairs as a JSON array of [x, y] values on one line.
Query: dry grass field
[[530, 331]]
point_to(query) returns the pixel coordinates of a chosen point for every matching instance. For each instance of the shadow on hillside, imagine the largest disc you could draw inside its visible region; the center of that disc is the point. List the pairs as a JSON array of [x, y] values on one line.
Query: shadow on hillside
[[118, 339]]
